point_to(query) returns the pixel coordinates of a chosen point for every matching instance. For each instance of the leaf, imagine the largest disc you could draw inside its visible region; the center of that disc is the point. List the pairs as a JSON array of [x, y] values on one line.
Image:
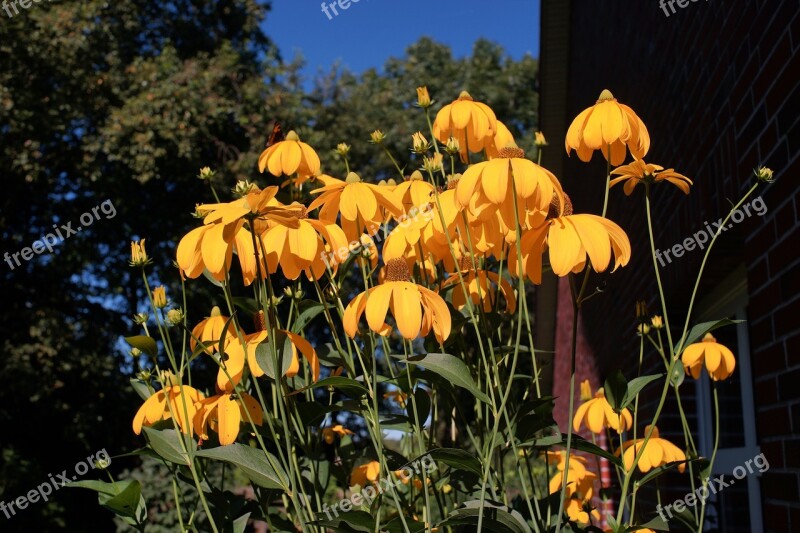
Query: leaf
[[240, 523], [656, 524], [253, 462], [126, 502], [349, 386], [309, 311], [615, 388], [423, 409], [635, 387], [123, 498], [584, 445], [282, 346], [698, 332], [495, 518], [141, 388], [166, 443], [655, 472], [455, 458], [450, 368], [223, 336], [248, 305], [395, 525], [144, 343]]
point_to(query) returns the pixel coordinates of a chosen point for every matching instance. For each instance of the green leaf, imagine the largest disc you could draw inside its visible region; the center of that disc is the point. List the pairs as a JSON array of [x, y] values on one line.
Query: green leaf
[[450, 368], [656, 524], [282, 345], [248, 305], [309, 310], [584, 445], [655, 472], [349, 386], [126, 502], [496, 518], [455, 458], [253, 462], [166, 443], [223, 336], [699, 331], [141, 388], [144, 343], [240, 523], [635, 387], [677, 376], [615, 388], [423, 409], [123, 498]]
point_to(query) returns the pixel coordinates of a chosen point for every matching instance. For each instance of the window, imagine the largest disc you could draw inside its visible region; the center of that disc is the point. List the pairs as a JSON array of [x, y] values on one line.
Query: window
[[737, 508]]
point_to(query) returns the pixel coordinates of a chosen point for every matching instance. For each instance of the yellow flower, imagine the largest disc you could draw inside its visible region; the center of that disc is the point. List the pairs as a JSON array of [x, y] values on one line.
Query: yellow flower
[[211, 246], [608, 124], [397, 396], [329, 434], [423, 98], [343, 149], [377, 137], [167, 403], [301, 247], [718, 359], [288, 157], [138, 254], [597, 414], [586, 390], [416, 310], [580, 481], [237, 354], [419, 143], [571, 238], [481, 288], [540, 140], [159, 297], [362, 205], [763, 174], [474, 124], [640, 172], [433, 164], [209, 331], [413, 192], [225, 412], [656, 453], [452, 146], [365, 474], [502, 138], [657, 322], [175, 316], [495, 180], [575, 509]]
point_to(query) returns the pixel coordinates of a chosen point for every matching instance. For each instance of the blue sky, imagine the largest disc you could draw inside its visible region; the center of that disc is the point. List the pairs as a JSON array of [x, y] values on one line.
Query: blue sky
[[371, 31]]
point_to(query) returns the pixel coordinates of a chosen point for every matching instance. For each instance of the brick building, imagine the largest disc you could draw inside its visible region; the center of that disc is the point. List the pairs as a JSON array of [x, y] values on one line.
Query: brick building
[[718, 86]]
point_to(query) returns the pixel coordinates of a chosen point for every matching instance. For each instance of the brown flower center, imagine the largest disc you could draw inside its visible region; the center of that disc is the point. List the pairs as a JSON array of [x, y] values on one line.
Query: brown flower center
[[555, 207], [465, 262], [511, 152], [260, 321], [300, 212], [397, 270]]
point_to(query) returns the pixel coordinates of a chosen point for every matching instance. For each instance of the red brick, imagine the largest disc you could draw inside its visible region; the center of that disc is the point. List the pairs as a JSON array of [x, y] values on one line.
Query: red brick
[[784, 253], [764, 299], [792, 453], [776, 517], [786, 319], [773, 422], [787, 385], [768, 360], [773, 451], [757, 272], [780, 486], [766, 392]]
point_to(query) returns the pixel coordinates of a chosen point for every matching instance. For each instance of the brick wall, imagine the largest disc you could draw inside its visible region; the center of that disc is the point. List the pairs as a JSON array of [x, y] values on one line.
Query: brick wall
[[718, 85]]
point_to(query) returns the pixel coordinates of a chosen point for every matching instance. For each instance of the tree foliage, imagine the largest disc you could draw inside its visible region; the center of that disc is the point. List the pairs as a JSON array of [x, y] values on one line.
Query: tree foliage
[[125, 101]]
